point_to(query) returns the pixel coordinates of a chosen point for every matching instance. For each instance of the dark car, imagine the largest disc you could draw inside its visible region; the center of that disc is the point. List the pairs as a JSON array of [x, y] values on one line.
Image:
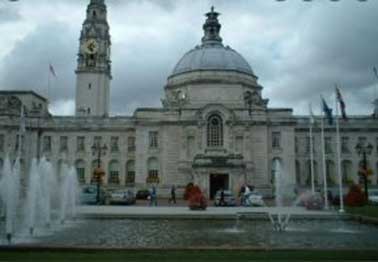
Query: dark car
[[143, 194]]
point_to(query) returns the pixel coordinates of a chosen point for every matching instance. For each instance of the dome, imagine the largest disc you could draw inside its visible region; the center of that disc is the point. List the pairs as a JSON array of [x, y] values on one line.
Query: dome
[[212, 54], [212, 57]]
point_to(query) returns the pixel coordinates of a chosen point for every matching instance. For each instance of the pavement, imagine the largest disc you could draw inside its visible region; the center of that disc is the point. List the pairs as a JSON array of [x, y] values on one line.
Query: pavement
[[180, 210]]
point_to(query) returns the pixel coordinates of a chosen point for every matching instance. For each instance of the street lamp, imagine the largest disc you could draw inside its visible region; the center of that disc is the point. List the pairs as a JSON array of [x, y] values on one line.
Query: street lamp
[[98, 173], [364, 150]]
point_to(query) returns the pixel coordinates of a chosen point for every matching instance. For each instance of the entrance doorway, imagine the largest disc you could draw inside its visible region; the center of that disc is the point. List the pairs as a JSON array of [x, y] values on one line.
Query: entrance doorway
[[218, 181]]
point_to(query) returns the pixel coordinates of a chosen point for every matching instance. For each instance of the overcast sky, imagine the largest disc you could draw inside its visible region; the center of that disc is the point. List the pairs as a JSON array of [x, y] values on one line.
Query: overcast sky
[[297, 49]]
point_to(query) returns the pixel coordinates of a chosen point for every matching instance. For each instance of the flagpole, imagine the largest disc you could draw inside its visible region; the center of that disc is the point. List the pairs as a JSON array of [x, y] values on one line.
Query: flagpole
[[324, 163], [312, 155], [341, 210], [48, 86]]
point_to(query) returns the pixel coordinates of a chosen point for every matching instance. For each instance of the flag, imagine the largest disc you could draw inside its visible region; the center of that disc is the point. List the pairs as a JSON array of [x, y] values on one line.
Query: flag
[[312, 117], [375, 72], [52, 70], [327, 111], [341, 103]]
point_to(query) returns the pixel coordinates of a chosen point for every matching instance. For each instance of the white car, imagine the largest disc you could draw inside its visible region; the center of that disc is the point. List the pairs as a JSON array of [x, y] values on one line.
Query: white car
[[373, 197], [253, 199]]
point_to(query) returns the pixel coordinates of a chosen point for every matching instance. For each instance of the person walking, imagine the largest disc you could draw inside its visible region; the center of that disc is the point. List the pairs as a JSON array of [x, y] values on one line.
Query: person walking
[[153, 197], [172, 199], [221, 201]]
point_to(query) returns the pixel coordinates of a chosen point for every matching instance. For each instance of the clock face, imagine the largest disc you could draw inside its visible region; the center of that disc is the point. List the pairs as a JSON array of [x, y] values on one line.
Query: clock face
[[91, 46]]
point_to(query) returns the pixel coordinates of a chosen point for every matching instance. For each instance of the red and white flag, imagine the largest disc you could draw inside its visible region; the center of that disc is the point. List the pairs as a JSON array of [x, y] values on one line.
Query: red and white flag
[[52, 70]]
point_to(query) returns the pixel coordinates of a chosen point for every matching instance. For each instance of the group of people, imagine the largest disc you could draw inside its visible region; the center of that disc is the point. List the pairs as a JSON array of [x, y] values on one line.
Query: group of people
[[153, 196]]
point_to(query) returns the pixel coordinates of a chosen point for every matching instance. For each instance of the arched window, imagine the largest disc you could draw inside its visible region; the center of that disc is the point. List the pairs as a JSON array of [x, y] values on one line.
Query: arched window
[[80, 169], [114, 172], [214, 131], [130, 172], [153, 170]]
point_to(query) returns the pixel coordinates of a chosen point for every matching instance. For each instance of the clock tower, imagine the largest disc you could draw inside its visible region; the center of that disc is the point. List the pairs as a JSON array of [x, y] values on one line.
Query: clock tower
[[93, 73]]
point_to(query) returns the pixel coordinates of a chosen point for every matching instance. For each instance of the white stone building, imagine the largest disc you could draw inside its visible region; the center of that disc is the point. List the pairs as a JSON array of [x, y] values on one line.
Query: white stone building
[[214, 128]]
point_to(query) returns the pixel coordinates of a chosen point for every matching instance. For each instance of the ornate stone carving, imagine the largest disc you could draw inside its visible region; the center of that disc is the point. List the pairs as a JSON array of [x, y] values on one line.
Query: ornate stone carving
[[10, 105]]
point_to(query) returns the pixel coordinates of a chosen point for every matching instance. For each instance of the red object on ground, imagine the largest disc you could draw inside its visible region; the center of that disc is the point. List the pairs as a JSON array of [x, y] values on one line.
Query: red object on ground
[[196, 199], [355, 196]]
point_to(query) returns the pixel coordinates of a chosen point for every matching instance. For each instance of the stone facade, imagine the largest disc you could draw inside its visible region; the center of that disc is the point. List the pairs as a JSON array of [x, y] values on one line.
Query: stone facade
[[214, 129]]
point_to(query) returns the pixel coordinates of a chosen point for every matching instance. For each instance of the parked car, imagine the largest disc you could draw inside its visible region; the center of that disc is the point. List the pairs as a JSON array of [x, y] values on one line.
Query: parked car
[[88, 195], [253, 199], [143, 194], [229, 199], [125, 197], [373, 197]]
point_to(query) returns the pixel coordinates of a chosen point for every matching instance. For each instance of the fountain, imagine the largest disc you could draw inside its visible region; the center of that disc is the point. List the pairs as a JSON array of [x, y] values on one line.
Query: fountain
[[9, 190], [281, 221], [69, 193]]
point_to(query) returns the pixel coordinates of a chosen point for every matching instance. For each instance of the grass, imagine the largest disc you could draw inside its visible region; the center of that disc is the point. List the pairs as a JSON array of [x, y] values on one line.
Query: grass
[[186, 255], [369, 211]]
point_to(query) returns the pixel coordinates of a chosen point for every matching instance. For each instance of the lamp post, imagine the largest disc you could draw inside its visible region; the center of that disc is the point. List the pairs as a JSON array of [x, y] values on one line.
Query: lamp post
[[98, 150], [364, 150]]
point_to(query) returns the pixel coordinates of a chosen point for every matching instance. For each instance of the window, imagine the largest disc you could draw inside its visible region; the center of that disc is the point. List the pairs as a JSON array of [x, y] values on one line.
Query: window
[[80, 169], [345, 145], [308, 145], [190, 146], [296, 144], [46, 144], [276, 140], [362, 140], [153, 139], [1, 142], [239, 144], [214, 131], [131, 144], [114, 172], [130, 172], [63, 147], [114, 144], [97, 140], [153, 171], [328, 145], [89, 86], [80, 146]]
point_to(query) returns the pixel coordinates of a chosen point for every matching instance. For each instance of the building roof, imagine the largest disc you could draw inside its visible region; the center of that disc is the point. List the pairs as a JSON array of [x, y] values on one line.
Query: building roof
[[22, 92], [212, 54]]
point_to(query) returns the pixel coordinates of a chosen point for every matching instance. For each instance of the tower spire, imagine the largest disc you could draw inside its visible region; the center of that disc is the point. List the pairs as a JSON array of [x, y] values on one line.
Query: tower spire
[[211, 29]]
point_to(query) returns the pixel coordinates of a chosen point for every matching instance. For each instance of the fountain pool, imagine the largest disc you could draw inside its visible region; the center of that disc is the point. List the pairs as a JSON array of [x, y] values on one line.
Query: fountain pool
[[173, 233]]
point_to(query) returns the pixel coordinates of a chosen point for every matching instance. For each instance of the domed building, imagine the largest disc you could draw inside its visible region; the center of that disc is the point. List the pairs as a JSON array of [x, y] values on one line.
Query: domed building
[[214, 128]]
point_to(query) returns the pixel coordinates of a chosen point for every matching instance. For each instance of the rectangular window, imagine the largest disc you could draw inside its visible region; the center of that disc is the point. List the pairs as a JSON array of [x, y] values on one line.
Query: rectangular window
[[80, 144], [328, 145], [97, 140], [114, 144], [46, 144], [308, 145], [362, 140], [239, 144], [131, 144], [190, 146], [345, 145], [296, 144], [1, 142], [130, 178], [276, 140], [153, 139], [153, 176], [63, 147]]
